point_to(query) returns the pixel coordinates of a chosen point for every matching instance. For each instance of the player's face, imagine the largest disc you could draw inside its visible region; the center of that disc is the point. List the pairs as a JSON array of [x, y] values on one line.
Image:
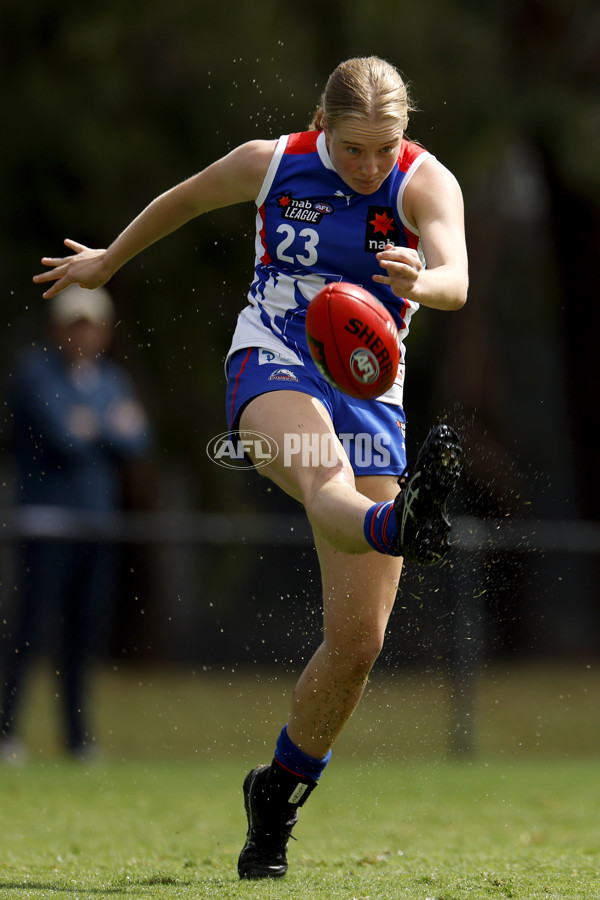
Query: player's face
[[364, 152]]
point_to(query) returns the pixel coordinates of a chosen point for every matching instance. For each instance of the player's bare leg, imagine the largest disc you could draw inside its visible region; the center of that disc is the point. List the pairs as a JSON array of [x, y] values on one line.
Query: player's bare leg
[[359, 586], [358, 596]]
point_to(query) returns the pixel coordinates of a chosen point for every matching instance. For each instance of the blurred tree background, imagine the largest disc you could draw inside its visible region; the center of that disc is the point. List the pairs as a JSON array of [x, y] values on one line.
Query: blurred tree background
[[107, 104]]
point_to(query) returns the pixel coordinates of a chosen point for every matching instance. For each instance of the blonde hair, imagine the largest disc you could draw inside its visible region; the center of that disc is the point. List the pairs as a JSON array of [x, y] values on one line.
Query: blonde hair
[[365, 87]]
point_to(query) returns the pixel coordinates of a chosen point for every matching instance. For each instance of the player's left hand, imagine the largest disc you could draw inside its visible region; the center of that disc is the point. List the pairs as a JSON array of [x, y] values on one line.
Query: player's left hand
[[403, 267]]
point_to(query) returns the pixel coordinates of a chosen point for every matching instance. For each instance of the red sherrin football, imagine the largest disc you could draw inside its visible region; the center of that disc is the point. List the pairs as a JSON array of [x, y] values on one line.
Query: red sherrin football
[[353, 340]]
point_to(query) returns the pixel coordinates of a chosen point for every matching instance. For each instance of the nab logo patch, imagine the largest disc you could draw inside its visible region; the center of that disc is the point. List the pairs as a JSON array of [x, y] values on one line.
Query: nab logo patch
[[381, 229]]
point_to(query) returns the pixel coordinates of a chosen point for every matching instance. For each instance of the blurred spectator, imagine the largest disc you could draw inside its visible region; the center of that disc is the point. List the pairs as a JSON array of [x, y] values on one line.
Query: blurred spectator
[[76, 418]]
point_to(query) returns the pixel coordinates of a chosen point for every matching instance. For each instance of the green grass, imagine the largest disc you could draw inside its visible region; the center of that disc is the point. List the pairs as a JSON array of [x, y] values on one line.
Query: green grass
[[159, 829], [160, 814]]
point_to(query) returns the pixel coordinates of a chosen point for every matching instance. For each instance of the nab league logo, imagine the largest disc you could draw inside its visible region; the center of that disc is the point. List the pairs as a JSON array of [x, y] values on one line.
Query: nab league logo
[[311, 211]]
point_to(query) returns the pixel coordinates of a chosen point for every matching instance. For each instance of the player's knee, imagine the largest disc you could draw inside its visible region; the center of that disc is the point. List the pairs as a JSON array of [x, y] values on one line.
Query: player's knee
[[314, 482]]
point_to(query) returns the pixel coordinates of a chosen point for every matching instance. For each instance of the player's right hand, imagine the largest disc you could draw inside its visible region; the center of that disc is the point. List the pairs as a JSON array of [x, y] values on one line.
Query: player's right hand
[[85, 267]]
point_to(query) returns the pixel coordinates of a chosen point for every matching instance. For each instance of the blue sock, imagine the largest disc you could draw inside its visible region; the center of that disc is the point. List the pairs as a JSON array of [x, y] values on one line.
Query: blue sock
[[295, 760], [380, 528]]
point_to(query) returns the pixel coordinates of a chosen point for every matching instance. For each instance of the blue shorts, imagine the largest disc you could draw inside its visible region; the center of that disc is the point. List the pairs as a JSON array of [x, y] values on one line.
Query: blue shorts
[[371, 432]]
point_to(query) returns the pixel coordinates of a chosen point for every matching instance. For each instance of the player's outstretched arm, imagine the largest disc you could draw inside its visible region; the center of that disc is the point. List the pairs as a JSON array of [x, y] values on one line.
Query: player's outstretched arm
[[235, 178]]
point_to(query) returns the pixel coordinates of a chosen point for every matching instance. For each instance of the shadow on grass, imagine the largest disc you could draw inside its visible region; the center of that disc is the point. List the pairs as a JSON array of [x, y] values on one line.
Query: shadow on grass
[[54, 888], [131, 885]]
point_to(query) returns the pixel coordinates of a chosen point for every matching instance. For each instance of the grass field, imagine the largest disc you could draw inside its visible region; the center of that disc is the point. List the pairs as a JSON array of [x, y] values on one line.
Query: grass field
[[160, 814]]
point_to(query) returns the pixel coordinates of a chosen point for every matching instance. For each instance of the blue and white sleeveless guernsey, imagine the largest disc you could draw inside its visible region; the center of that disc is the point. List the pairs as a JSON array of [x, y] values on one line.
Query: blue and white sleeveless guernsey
[[311, 229]]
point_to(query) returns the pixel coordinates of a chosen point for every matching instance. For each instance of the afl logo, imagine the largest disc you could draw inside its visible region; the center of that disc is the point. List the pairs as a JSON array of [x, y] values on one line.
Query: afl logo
[[364, 365], [231, 451], [323, 207]]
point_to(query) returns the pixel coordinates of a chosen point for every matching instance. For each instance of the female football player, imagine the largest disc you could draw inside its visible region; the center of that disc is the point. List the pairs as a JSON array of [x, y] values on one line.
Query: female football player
[[351, 199]]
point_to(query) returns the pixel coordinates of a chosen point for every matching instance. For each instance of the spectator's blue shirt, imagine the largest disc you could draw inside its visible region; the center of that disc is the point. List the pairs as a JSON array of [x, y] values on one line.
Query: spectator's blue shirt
[[72, 427]]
